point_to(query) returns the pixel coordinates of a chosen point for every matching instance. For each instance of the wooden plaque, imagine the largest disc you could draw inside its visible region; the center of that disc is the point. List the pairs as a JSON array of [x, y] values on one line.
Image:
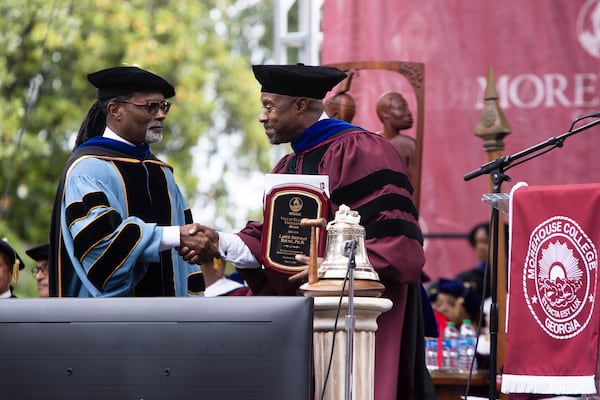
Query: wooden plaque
[[282, 235]]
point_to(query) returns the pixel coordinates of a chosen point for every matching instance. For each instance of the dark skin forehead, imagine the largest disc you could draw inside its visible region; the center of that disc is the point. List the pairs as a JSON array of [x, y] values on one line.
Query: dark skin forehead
[[274, 99]]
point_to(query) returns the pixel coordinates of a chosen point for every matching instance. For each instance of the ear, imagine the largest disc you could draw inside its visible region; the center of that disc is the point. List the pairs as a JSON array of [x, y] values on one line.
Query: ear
[[114, 110], [301, 104]]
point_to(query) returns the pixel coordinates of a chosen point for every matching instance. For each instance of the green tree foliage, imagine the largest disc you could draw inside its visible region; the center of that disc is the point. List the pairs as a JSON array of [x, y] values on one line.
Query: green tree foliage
[[205, 48]]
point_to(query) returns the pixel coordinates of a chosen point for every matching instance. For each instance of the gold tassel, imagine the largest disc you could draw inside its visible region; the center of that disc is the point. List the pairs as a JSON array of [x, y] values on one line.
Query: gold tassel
[[16, 270], [16, 265], [15, 274]]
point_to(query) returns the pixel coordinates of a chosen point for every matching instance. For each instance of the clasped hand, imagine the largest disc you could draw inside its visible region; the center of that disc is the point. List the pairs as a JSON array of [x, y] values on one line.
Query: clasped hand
[[199, 244]]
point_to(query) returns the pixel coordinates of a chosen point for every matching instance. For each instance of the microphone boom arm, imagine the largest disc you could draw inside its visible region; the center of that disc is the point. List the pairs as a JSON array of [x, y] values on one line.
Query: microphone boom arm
[[502, 163]]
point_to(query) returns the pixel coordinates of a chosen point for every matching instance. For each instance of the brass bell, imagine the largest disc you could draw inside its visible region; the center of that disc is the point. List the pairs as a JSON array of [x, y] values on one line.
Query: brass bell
[[345, 236]]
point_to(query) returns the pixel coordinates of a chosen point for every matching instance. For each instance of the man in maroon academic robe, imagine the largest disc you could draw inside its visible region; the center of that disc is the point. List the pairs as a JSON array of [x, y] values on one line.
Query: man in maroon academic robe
[[368, 175]]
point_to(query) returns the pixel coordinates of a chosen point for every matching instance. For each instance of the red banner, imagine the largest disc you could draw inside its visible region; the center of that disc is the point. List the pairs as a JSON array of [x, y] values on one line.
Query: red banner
[[553, 317], [544, 56]]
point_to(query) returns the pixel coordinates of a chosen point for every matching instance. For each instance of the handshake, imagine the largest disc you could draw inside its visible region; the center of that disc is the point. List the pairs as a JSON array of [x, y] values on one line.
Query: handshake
[[199, 244]]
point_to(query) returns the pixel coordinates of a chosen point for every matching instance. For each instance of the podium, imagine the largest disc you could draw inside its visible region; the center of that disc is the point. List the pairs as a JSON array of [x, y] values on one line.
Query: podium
[[499, 201], [366, 311]]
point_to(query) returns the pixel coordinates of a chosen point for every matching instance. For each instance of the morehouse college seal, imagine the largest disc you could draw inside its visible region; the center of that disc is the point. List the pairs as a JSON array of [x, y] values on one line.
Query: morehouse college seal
[[559, 277]]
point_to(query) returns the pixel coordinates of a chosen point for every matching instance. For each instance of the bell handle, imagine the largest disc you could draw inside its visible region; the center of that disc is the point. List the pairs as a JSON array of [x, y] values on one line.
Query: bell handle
[[312, 260]]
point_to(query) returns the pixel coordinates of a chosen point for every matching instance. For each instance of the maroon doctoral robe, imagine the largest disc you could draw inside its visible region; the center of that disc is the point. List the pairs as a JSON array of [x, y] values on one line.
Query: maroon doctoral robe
[[368, 175]]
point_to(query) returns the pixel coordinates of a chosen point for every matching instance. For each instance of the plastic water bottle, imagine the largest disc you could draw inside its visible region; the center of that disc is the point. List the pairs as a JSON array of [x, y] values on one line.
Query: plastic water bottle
[[431, 353], [468, 338], [450, 348]]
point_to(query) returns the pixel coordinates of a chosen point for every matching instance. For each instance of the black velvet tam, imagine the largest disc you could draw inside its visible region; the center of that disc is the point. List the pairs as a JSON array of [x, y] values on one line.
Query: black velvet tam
[[119, 81], [11, 254], [38, 253], [297, 80]]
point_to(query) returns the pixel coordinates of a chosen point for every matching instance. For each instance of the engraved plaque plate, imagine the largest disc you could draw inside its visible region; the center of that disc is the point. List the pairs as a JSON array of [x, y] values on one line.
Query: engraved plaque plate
[[282, 235]]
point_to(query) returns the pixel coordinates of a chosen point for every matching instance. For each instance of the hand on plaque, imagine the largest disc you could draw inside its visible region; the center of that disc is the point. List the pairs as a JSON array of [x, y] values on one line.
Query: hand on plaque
[[302, 276]]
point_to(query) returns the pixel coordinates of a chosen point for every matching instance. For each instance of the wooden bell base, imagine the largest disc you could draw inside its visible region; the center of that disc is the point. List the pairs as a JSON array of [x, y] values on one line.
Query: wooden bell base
[[333, 287]]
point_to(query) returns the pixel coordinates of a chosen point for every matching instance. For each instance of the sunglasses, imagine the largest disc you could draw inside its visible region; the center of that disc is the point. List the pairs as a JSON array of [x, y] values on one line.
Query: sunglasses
[[151, 106]]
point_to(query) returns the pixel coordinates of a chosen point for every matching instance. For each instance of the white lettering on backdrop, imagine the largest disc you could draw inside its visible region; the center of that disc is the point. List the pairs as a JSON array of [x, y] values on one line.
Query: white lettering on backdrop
[[551, 90]]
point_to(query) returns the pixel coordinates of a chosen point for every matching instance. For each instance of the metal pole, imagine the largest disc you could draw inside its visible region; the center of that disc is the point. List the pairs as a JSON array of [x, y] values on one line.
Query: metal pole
[[350, 322]]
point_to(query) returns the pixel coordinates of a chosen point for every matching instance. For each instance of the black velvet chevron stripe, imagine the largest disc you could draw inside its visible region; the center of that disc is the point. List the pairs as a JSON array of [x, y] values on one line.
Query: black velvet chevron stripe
[[95, 231], [386, 202], [188, 218], [80, 209], [368, 184], [310, 161], [158, 188], [196, 283], [393, 227], [114, 256], [147, 191]]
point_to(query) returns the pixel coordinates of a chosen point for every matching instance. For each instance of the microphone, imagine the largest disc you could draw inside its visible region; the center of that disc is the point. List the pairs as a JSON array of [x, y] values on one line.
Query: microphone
[[486, 168], [348, 247]]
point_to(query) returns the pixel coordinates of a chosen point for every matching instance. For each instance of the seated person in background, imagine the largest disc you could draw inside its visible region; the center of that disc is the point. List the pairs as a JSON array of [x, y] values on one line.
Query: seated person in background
[[217, 284], [455, 301], [40, 272], [479, 239], [10, 265]]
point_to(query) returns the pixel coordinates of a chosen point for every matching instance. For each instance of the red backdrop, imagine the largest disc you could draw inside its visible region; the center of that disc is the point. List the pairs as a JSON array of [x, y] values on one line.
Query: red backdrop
[[545, 59]]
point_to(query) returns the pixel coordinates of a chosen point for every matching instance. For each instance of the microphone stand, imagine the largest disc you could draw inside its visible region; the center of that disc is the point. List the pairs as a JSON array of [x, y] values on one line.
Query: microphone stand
[[350, 319], [496, 170], [502, 162]]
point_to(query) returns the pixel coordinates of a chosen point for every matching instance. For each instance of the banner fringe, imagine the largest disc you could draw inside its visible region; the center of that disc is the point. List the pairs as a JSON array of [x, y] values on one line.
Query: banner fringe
[[548, 384]]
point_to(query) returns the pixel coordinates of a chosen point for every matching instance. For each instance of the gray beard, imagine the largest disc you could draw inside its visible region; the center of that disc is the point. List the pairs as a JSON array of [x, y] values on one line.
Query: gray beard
[[152, 137]]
